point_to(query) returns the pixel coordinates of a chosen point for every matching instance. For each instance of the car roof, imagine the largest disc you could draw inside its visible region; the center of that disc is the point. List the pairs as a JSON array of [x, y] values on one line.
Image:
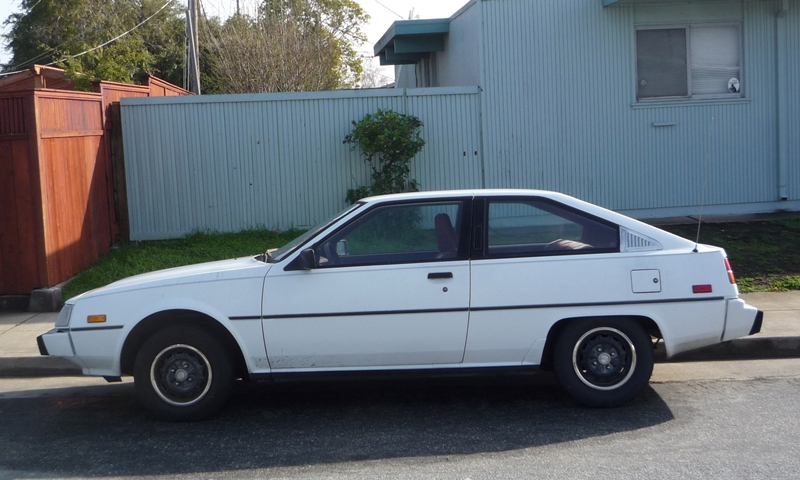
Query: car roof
[[483, 192]]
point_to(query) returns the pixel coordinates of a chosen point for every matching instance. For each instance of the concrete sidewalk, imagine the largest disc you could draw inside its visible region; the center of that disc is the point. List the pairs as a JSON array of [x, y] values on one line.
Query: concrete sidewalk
[[779, 338]]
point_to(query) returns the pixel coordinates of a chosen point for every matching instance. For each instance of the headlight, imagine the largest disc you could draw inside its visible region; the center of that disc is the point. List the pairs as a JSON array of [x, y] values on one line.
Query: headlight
[[63, 318]]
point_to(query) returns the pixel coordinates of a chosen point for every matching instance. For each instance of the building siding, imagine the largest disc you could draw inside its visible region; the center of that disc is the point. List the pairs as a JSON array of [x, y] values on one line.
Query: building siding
[[561, 114], [459, 64]]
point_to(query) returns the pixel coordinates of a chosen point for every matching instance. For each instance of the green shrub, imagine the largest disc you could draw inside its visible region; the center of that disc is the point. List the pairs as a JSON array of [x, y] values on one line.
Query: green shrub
[[388, 140]]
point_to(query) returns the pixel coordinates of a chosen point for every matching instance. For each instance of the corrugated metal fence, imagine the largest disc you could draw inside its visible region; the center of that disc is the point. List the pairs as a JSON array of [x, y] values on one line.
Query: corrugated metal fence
[[232, 162]]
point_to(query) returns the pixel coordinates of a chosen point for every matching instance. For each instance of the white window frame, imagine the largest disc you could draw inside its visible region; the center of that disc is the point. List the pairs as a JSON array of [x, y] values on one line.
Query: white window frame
[[687, 28]]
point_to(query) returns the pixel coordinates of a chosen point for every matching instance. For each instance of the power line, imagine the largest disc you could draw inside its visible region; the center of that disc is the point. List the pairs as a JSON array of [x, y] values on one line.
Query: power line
[[102, 44], [387, 8], [118, 36], [44, 54]]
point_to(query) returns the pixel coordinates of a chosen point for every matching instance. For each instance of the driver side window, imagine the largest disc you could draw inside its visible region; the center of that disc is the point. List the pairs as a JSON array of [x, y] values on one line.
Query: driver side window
[[402, 233]]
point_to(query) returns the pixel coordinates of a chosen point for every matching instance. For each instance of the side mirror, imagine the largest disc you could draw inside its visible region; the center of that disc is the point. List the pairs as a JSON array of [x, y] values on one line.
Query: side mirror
[[305, 261], [341, 248]]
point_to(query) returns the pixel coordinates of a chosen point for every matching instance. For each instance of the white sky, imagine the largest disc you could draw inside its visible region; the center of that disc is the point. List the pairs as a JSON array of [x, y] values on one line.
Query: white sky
[[382, 13], [7, 7]]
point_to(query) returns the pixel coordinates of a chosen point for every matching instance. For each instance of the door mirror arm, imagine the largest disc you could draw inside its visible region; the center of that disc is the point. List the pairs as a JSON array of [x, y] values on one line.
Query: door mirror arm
[[305, 261]]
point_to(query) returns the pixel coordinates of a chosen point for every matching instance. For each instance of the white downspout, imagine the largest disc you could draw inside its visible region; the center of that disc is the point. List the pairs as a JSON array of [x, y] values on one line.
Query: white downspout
[[782, 85]]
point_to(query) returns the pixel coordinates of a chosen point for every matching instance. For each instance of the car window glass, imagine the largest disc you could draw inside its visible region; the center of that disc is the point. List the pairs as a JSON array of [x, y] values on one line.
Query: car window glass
[[529, 227], [400, 233], [281, 253]]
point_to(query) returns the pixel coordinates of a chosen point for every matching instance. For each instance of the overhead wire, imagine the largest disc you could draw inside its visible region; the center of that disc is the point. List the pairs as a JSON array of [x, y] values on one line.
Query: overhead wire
[[387, 8], [118, 36], [102, 44], [43, 54]]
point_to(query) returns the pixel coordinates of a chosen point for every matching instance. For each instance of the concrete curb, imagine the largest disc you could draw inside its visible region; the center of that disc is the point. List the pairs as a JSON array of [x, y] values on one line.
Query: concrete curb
[[37, 367], [739, 349], [14, 303], [41, 300]]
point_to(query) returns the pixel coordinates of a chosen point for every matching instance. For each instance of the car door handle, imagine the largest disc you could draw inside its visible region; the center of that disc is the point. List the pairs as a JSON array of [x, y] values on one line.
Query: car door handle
[[440, 275]]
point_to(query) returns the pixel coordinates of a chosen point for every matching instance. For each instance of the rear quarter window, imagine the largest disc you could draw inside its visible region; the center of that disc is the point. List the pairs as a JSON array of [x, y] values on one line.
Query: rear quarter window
[[539, 227]]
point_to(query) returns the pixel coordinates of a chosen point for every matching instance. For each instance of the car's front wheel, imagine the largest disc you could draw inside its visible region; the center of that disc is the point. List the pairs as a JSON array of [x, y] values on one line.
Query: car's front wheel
[[182, 373], [603, 362]]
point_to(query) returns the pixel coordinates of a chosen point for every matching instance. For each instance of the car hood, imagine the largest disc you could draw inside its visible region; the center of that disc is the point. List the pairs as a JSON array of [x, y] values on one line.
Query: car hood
[[238, 268]]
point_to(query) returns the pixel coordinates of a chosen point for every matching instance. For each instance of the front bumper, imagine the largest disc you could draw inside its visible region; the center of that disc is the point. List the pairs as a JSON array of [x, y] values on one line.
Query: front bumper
[[741, 320], [757, 324], [55, 343]]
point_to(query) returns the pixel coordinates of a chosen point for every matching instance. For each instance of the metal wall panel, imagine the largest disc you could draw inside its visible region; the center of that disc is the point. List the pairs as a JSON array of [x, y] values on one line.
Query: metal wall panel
[[232, 162], [560, 112], [451, 158]]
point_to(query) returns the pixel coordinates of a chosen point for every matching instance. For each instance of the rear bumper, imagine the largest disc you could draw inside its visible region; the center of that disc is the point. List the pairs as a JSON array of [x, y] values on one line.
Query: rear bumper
[[741, 320]]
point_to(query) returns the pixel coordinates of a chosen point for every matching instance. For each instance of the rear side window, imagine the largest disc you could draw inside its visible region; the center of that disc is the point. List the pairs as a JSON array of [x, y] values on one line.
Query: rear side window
[[539, 227]]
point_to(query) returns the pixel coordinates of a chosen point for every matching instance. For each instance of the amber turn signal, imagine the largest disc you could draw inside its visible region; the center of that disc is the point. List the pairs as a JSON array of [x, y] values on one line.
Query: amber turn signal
[[96, 318]]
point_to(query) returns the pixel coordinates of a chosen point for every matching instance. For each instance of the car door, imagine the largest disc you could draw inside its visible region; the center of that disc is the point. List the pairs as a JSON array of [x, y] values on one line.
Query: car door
[[389, 289], [535, 261]]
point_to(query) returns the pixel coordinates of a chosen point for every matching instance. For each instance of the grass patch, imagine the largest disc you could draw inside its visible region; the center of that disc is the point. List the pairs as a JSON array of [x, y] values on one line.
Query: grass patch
[[765, 255], [134, 258]]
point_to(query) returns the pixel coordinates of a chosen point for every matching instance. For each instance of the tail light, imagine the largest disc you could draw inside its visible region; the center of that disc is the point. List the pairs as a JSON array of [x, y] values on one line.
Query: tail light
[[731, 276], [702, 288]]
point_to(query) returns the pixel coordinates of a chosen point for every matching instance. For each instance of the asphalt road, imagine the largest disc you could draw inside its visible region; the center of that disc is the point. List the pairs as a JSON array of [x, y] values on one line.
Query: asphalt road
[[515, 427]]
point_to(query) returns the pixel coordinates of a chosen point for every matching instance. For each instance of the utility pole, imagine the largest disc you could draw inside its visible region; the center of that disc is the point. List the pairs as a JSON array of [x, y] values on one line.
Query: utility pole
[[193, 64]]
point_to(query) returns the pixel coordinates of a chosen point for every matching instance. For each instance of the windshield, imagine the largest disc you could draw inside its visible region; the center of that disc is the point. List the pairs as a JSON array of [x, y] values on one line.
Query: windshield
[[280, 253]]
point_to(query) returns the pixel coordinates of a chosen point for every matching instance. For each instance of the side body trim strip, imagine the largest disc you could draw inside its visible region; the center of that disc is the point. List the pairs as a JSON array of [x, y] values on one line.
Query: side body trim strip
[[86, 329], [478, 309]]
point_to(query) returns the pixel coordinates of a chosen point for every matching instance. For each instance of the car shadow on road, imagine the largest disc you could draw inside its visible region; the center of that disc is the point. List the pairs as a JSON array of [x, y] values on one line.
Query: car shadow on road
[[104, 431]]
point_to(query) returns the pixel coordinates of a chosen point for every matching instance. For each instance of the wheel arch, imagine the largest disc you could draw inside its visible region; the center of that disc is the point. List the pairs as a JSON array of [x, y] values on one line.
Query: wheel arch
[[647, 323], [169, 318]]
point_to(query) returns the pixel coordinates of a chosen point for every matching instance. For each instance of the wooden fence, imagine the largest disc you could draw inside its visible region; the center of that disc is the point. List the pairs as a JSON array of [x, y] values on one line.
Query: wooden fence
[[57, 198]]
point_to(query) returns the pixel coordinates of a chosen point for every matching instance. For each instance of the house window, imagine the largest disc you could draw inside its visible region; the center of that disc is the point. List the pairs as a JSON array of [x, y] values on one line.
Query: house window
[[702, 61]]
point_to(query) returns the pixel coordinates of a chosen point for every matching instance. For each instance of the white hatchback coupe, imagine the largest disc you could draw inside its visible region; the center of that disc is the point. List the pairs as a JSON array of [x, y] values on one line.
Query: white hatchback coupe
[[430, 282]]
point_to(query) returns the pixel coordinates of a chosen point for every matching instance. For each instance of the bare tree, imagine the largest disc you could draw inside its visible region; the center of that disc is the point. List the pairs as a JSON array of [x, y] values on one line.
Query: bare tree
[[372, 76], [297, 47]]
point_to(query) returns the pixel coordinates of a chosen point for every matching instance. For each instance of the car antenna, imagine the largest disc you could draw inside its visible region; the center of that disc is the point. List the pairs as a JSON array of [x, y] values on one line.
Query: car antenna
[[705, 181]]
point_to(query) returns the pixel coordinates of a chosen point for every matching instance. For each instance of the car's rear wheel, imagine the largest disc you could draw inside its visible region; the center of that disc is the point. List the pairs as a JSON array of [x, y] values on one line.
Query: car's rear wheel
[[603, 362], [182, 373]]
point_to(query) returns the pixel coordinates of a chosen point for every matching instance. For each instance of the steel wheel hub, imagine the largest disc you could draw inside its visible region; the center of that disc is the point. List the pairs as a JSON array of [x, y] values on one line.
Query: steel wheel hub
[[181, 375], [604, 358]]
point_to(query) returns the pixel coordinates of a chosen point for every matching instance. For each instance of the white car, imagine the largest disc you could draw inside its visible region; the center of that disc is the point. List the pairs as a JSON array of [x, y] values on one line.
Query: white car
[[444, 282]]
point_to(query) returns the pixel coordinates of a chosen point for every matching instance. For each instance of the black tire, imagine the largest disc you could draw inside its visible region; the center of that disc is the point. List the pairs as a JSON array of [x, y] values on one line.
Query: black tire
[[603, 362], [182, 373]]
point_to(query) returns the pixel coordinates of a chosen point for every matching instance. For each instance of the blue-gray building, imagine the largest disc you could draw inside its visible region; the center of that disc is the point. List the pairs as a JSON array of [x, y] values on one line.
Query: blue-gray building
[[648, 106]]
